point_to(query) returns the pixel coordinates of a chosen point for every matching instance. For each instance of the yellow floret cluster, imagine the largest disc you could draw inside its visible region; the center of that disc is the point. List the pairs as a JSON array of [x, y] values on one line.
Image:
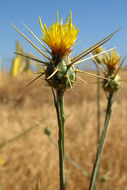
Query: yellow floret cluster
[[111, 60], [60, 38]]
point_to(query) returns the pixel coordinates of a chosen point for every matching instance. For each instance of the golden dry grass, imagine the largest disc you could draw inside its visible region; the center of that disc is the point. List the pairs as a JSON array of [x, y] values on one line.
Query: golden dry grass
[[32, 157]]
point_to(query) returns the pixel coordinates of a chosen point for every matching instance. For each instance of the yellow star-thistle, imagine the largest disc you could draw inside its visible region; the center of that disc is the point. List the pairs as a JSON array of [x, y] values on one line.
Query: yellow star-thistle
[[60, 38], [111, 60], [59, 69]]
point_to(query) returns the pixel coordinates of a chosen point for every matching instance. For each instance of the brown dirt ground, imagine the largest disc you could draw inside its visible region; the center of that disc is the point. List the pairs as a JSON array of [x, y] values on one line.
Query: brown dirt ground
[[32, 157]]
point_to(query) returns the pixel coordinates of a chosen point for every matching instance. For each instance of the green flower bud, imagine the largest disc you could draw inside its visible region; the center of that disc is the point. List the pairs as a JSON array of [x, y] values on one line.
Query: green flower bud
[[112, 85], [61, 76], [47, 131]]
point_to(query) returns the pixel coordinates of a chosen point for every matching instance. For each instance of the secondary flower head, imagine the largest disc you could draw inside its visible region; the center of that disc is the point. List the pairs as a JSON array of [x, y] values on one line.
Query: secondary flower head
[[111, 60], [59, 37]]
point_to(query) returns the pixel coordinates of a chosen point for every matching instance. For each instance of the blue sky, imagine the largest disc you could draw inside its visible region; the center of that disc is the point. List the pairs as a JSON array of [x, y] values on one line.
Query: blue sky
[[95, 19]]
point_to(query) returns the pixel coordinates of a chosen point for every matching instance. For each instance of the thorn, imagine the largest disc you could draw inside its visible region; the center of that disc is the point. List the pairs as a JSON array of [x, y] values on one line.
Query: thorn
[[56, 70], [89, 50], [82, 80], [120, 66], [98, 65], [36, 38], [93, 56], [34, 59], [69, 81], [34, 80], [31, 43], [90, 74]]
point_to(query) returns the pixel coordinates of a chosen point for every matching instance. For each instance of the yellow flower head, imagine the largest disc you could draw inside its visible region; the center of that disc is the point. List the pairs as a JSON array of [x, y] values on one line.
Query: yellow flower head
[[98, 50], [60, 38], [111, 60]]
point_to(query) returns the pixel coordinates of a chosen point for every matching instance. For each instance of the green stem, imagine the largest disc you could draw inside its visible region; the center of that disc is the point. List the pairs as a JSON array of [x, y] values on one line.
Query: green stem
[[98, 106], [101, 143], [98, 118], [59, 104]]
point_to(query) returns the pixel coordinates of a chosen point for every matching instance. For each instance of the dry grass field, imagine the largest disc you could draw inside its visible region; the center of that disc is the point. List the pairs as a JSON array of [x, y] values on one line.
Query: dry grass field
[[32, 157]]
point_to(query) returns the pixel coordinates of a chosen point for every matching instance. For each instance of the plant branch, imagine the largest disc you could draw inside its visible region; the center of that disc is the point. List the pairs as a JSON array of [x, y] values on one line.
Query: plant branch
[[59, 104], [101, 143]]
